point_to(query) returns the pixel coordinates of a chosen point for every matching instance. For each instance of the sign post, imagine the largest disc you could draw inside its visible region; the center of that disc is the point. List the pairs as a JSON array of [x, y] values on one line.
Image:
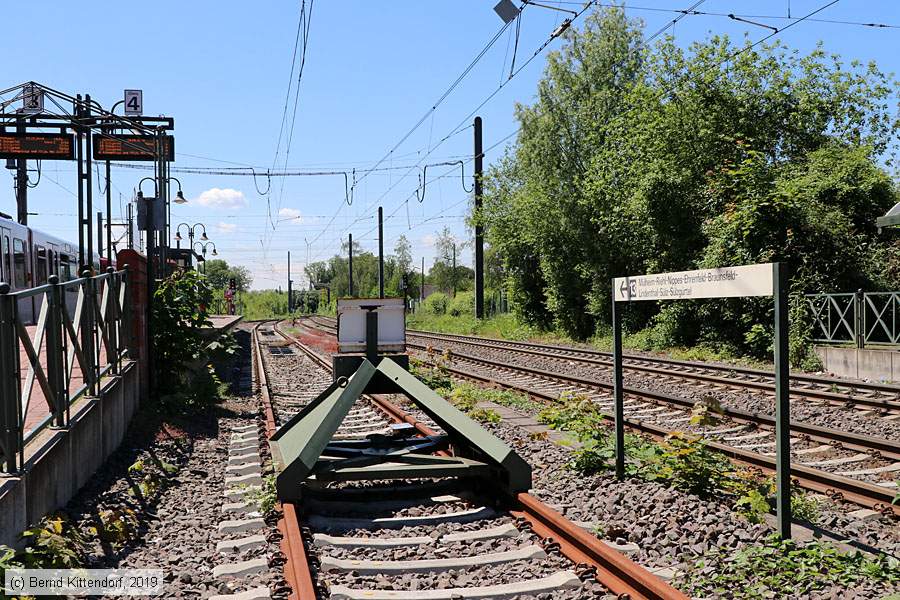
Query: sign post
[[768, 279]]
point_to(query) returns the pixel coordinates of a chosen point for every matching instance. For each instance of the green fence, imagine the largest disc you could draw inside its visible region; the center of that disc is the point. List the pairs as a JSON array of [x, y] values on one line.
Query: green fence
[[79, 335], [861, 318]]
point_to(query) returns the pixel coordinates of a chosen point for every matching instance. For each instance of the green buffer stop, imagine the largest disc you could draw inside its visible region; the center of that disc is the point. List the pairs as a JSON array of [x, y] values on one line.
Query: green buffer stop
[[304, 451]]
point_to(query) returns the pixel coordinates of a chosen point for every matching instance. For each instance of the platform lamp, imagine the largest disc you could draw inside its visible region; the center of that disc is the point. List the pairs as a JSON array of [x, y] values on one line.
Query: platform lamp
[[190, 232], [203, 247]]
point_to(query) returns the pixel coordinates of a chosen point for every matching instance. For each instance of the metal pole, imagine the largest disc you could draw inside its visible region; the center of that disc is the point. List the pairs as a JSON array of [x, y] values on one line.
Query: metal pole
[[130, 228], [618, 392], [79, 156], [109, 244], [290, 297], [21, 185], [100, 234], [422, 288], [350, 266], [380, 254], [164, 198], [782, 402], [88, 186], [479, 228], [10, 382]]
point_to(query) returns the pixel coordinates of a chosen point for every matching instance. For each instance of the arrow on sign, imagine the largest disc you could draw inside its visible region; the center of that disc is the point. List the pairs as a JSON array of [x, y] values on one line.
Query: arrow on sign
[[624, 288]]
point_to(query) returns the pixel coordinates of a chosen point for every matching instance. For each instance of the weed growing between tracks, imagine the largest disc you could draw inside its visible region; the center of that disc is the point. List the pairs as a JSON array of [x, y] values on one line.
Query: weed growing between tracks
[[466, 396], [681, 460], [782, 569]]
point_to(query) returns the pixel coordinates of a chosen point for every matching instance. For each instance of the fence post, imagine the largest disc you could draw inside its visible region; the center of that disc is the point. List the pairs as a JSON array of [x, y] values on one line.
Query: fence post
[[88, 333], [55, 353], [10, 384], [125, 323], [112, 300], [859, 325]]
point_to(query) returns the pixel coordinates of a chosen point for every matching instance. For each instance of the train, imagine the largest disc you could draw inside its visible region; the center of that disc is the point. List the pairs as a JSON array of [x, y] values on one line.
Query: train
[[28, 257]]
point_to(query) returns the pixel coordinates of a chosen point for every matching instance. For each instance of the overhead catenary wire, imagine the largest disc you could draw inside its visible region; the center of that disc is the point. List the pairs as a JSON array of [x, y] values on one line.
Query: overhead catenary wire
[[670, 91]]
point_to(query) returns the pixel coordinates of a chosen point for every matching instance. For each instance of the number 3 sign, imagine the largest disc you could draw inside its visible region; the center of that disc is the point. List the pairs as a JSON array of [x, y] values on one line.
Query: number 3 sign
[[134, 102]]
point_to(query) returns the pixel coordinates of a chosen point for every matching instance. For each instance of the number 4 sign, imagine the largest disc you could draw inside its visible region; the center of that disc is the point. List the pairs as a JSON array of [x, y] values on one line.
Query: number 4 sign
[[134, 102]]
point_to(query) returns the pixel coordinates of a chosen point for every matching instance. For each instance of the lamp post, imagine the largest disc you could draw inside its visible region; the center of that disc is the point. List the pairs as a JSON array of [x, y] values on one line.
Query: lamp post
[[203, 247], [190, 230]]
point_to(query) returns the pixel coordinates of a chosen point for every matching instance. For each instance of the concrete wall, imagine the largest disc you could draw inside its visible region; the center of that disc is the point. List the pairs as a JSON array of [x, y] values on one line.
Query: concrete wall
[[861, 363], [60, 461]]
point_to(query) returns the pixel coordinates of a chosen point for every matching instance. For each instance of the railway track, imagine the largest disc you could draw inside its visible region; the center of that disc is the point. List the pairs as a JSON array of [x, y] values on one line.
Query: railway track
[[437, 539], [840, 464], [877, 398]]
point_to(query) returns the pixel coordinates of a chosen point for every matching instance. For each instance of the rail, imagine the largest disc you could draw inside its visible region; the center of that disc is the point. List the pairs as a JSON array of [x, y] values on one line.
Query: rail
[[861, 318], [80, 336]]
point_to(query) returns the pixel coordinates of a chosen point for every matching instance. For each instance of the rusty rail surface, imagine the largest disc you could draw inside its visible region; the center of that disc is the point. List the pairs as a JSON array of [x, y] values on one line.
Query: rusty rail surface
[[612, 569], [858, 492], [296, 567]]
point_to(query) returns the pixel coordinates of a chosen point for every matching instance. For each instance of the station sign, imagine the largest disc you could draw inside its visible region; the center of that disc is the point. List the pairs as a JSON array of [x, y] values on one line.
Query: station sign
[[45, 146], [32, 100], [134, 103], [130, 147], [724, 282]]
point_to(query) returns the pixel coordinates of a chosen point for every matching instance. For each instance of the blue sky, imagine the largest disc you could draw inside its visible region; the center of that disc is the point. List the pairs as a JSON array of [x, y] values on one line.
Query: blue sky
[[373, 69]]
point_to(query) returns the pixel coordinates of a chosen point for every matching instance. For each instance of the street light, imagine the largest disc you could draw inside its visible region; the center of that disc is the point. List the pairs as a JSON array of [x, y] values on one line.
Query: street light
[[179, 195], [203, 247], [190, 229]]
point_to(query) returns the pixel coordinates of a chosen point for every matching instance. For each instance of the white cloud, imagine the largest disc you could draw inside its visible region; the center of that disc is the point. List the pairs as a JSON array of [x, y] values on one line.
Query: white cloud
[[226, 228], [428, 240], [289, 214], [222, 198]]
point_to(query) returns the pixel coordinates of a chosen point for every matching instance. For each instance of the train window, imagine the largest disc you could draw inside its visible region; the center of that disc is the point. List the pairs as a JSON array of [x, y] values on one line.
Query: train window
[[41, 265], [7, 265], [65, 269], [19, 259]]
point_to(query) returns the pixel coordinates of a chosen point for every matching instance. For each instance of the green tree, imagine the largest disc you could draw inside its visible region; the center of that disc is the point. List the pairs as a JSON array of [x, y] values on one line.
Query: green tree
[[636, 159], [219, 273]]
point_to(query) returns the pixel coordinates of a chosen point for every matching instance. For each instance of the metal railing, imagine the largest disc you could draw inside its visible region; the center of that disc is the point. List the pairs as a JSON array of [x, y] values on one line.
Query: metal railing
[[80, 335], [861, 318]]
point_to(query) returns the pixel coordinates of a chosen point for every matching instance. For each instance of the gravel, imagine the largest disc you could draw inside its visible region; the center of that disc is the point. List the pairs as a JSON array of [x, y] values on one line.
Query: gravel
[[838, 417], [177, 532]]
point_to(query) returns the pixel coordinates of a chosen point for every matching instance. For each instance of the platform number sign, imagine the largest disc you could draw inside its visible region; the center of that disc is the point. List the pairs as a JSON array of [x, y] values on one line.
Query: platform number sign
[[32, 99], [134, 102]]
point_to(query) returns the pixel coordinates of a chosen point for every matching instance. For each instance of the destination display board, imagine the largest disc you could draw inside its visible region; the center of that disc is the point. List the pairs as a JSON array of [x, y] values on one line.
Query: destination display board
[[724, 282], [44, 146], [130, 147]]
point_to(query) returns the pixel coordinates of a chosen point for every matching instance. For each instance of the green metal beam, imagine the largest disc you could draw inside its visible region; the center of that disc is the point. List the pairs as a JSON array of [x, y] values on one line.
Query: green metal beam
[[299, 443], [300, 446], [463, 431]]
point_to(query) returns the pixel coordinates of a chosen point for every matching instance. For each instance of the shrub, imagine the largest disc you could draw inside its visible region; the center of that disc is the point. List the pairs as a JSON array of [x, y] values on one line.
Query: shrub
[[463, 304], [436, 303], [691, 466], [575, 413]]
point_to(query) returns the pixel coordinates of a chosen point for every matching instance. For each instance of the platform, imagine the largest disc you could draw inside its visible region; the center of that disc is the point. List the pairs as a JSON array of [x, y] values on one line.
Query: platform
[[222, 324]]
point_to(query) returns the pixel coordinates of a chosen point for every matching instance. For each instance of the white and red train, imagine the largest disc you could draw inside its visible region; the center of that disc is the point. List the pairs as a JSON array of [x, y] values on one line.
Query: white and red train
[[28, 257]]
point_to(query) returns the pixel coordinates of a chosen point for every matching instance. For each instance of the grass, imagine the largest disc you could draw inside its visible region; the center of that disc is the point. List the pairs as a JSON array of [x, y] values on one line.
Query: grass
[[508, 327]]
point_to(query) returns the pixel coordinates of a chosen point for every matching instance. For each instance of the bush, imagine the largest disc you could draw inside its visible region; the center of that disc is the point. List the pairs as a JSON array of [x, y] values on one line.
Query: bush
[[436, 303], [463, 304], [180, 316]]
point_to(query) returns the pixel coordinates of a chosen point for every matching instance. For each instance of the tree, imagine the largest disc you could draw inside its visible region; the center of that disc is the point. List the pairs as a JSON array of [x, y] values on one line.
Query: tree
[[443, 274], [636, 159], [403, 254], [219, 274]]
